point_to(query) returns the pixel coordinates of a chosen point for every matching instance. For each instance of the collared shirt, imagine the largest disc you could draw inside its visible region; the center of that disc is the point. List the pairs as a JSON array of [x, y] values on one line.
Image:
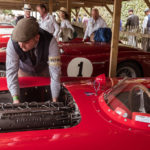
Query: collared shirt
[[66, 24], [144, 26], [12, 67], [94, 25], [50, 25]]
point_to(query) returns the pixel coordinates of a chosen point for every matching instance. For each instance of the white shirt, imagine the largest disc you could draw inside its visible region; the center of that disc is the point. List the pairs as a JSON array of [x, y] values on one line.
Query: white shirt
[[144, 26], [66, 24], [50, 25], [94, 25]]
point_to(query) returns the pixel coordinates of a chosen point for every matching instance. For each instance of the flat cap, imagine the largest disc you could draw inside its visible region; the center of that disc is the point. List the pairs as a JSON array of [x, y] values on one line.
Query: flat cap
[[25, 30], [146, 10]]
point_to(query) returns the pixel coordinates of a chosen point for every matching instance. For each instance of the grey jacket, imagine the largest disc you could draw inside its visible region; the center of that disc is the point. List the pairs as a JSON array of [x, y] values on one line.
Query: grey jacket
[[13, 63]]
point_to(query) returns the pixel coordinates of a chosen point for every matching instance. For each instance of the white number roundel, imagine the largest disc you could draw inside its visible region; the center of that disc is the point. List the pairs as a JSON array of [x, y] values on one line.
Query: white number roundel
[[80, 67]]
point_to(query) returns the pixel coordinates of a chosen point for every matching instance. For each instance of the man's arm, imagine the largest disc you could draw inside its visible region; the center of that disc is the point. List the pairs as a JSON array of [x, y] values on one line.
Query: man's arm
[[54, 68], [12, 66], [86, 31]]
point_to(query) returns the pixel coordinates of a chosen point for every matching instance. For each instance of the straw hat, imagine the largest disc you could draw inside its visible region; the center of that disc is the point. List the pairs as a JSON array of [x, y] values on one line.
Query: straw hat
[[64, 10], [27, 7]]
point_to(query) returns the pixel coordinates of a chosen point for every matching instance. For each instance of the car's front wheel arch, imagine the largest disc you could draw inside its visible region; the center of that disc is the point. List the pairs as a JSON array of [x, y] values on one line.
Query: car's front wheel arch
[[131, 64]]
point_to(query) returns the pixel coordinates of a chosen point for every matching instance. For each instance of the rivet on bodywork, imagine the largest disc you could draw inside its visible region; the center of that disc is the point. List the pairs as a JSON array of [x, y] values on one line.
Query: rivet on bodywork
[[109, 110], [129, 129], [98, 110], [125, 120], [110, 121]]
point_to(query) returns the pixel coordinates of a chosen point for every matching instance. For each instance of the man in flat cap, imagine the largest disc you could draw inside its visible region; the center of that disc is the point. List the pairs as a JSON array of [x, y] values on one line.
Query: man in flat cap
[[132, 25], [146, 30], [32, 51]]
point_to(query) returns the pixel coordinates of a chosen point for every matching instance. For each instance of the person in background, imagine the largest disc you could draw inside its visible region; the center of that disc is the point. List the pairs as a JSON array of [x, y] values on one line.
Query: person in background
[[79, 18], [146, 30], [67, 32], [94, 23], [120, 25], [27, 13], [132, 25], [47, 21], [64, 18], [32, 51], [74, 19]]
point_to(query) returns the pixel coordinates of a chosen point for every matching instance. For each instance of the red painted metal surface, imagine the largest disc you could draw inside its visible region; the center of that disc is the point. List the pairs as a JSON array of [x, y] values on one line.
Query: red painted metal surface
[[97, 54], [2, 57], [4, 37], [25, 82], [98, 129]]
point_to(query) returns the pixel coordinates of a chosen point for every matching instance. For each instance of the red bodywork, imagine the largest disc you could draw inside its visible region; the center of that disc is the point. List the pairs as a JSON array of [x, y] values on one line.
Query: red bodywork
[[100, 127], [3, 36], [95, 57], [99, 55], [3, 41]]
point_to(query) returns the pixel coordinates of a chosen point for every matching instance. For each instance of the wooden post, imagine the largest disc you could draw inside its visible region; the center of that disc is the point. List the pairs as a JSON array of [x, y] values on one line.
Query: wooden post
[[50, 6], [115, 38], [147, 3], [69, 8]]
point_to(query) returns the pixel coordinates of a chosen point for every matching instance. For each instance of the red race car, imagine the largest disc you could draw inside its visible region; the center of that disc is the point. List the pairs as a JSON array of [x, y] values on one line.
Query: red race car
[[5, 33], [93, 114], [91, 59]]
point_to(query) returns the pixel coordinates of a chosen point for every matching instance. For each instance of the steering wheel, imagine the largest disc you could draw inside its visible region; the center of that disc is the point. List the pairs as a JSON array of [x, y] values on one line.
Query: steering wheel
[[142, 89]]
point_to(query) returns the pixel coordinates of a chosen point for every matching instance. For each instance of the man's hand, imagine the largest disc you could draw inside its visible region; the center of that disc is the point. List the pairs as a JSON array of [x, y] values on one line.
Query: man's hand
[[16, 100], [54, 99]]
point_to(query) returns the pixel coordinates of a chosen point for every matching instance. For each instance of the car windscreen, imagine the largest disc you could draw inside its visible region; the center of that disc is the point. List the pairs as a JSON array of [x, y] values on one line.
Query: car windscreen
[[129, 96]]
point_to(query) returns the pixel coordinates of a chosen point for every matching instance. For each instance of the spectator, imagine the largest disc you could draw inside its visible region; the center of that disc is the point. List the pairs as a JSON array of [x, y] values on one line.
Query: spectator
[[132, 25], [64, 17], [146, 30], [120, 25], [47, 21], [65, 25], [27, 13], [94, 23], [79, 19]]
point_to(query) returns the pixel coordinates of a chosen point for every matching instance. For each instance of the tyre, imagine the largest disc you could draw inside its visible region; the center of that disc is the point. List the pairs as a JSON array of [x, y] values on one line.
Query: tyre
[[129, 69], [2, 71]]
